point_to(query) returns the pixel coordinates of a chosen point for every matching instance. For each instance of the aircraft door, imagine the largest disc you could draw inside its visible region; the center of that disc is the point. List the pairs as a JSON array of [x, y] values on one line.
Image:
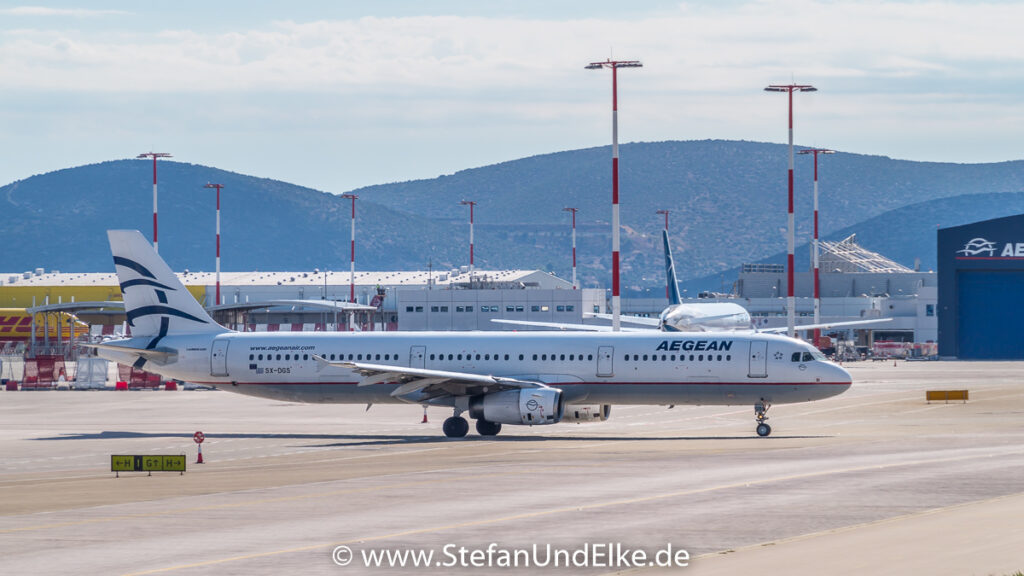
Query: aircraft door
[[758, 360], [605, 354], [219, 357], [417, 356]]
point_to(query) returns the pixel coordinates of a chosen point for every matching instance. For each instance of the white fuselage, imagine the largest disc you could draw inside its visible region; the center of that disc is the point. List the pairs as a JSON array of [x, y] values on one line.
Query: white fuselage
[[593, 368], [705, 317]]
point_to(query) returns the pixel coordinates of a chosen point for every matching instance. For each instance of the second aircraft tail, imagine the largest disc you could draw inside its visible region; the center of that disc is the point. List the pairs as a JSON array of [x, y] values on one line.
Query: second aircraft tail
[[670, 273]]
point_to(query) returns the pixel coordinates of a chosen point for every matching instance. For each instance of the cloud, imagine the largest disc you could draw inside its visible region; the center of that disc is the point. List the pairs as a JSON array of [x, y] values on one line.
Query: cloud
[[937, 80], [701, 48], [45, 11]]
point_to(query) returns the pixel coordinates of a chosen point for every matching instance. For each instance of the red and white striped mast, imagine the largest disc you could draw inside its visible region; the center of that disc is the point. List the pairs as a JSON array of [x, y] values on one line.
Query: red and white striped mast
[[817, 284], [791, 226], [573, 210], [667, 280], [471, 204], [615, 65], [154, 156], [217, 302], [352, 262]]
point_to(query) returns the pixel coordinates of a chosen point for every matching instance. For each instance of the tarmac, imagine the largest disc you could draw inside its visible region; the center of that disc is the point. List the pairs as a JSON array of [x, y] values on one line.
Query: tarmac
[[874, 481]]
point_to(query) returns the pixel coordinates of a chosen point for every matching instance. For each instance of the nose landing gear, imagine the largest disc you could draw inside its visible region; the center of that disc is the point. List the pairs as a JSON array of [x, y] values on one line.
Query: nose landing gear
[[761, 413]]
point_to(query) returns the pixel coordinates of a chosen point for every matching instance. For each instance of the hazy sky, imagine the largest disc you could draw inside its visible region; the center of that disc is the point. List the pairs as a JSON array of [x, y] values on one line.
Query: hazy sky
[[336, 95]]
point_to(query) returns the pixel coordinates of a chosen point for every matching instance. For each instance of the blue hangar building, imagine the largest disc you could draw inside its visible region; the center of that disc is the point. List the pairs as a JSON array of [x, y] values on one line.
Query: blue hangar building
[[981, 290]]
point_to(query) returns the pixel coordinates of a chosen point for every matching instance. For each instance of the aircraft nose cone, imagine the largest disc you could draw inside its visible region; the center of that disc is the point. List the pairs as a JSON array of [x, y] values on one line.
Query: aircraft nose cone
[[841, 377]]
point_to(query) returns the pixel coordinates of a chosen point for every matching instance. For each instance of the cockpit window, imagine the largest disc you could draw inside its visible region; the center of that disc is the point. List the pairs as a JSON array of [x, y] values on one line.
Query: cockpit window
[[808, 356]]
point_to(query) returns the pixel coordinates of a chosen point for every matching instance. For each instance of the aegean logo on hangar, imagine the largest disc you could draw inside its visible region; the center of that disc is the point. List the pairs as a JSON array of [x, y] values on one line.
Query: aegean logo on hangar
[[982, 248]]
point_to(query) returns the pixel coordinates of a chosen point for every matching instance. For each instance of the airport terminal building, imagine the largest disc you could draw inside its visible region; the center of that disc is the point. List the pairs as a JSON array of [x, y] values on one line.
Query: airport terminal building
[[981, 287], [856, 284]]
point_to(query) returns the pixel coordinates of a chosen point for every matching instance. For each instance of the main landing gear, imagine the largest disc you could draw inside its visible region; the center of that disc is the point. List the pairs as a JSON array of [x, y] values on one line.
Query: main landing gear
[[455, 427], [487, 428], [761, 413]]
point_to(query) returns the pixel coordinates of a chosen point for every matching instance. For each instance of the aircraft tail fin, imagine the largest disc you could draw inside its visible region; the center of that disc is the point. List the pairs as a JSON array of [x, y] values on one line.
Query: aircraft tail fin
[[670, 273], [156, 302]]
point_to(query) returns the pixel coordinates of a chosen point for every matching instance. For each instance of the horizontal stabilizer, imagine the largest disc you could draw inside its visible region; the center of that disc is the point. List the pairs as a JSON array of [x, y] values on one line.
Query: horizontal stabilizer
[[157, 356]]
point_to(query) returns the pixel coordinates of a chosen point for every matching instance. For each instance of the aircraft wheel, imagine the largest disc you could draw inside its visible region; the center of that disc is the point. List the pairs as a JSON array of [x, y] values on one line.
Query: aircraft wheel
[[763, 429], [455, 427], [487, 428]]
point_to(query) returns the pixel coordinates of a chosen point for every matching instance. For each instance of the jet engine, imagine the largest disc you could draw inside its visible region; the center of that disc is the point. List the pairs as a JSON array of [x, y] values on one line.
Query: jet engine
[[526, 406], [580, 413]]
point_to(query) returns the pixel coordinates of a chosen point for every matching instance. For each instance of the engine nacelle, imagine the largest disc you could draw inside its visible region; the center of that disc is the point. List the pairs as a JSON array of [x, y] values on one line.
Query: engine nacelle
[[580, 413], [528, 406]]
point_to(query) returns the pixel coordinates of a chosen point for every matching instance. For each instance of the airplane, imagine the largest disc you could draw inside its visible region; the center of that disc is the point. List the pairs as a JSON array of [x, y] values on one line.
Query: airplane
[[677, 317], [497, 378], [683, 317]]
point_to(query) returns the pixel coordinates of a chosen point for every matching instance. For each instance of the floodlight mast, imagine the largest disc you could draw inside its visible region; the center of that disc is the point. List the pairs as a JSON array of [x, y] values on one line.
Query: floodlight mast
[[791, 226], [154, 156], [218, 187], [817, 283], [471, 204], [352, 259], [573, 210], [614, 65]]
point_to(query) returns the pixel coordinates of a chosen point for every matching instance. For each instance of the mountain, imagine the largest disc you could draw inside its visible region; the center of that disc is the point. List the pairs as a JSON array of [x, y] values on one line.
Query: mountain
[[727, 201], [906, 235]]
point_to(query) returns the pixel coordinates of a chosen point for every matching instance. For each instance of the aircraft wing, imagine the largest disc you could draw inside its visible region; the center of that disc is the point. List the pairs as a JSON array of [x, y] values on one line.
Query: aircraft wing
[[825, 326], [421, 384], [641, 320], [565, 326]]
